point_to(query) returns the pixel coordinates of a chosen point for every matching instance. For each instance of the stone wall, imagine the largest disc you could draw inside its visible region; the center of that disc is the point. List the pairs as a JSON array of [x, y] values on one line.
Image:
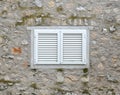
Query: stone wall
[[103, 76]]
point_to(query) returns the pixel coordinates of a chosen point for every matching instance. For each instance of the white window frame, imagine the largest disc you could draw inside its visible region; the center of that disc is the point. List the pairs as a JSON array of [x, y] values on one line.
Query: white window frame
[[60, 30]]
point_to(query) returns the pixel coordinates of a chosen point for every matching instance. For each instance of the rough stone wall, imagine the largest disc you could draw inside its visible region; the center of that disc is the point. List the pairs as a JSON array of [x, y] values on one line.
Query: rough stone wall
[[103, 76]]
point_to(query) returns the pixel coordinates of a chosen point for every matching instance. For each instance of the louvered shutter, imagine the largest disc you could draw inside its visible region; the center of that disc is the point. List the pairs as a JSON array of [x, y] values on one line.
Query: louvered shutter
[[73, 49], [60, 46], [46, 47]]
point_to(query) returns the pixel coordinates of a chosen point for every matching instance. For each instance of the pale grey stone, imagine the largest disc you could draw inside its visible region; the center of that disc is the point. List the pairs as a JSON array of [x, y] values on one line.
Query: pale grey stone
[[26, 93], [68, 93], [7, 56], [93, 23], [85, 21], [4, 14], [19, 21], [103, 58], [80, 8], [85, 79], [110, 18], [70, 21], [2, 73], [10, 84], [94, 42], [116, 10], [24, 42], [74, 94], [7, 78], [75, 22], [25, 4], [3, 86], [65, 88], [14, 6], [21, 88], [80, 21], [5, 49], [110, 93], [38, 3], [104, 30], [107, 11], [38, 20], [60, 77], [75, 14], [111, 78], [112, 29], [44, 91]]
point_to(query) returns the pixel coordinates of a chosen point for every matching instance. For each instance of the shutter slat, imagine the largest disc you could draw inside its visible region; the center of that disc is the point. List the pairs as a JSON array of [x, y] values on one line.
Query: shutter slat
[[53, 40], [72, 55], [51, 54], [47, 44], [71, 44], [47, 51], [71, 38], [51, 49], [47, 38], [75, 46], [47, 56], [72, 48], [42, 42], [40, 46], [47, 59], [69, 50], [73, 59]]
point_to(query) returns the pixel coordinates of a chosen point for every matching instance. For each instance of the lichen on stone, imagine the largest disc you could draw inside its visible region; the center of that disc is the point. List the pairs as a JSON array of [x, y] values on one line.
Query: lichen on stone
[[34, 85]]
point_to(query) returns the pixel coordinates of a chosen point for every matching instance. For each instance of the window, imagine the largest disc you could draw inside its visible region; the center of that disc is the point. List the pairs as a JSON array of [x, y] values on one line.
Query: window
[[59, 47]]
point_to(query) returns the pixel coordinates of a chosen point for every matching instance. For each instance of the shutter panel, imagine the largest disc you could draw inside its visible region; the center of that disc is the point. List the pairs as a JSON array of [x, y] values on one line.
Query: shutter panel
[[46, 47], [72, 48], [73, 45]]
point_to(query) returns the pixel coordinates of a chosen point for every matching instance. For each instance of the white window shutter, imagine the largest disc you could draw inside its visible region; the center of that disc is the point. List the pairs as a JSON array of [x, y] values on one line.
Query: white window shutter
[[73, 46], [46, 47]]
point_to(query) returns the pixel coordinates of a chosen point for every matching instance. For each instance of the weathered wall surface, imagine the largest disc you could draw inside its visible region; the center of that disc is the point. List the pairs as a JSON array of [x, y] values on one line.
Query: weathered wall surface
[[103, 76]]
